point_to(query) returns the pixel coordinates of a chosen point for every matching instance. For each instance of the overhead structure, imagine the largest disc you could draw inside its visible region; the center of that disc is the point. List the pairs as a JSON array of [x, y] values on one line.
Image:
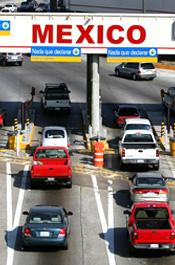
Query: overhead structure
[[64, 37]]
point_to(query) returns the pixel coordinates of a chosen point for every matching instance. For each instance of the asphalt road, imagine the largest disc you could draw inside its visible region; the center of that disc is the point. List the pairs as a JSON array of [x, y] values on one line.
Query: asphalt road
[[97, 199]]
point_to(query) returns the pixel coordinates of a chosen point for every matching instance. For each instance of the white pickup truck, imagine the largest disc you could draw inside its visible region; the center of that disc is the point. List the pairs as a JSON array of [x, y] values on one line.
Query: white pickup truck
[[56, 97], [139, 147]]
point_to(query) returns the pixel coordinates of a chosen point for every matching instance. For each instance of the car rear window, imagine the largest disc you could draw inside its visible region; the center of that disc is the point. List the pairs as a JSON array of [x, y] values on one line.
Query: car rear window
[[147, 66], [151, 213], [128, 112], [51, 153], [137, 127], [139, 138], [45, 218], [54, 134], [150, 182]]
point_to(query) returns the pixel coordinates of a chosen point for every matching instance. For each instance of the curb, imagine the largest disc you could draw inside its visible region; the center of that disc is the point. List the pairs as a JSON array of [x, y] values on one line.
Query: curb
[[165, 66]]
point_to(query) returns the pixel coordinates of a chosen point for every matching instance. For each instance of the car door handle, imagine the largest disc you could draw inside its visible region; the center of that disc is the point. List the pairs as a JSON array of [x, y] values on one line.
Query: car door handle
[[50, 168], [140, 151]]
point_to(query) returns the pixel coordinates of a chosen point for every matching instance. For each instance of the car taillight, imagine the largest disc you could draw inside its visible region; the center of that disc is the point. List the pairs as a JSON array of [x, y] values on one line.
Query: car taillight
[[135, 235], [36, 163], [163, 191], [62, 232], [123, 152], [172, 235], [138, 191], [27, 231], [157, 152]]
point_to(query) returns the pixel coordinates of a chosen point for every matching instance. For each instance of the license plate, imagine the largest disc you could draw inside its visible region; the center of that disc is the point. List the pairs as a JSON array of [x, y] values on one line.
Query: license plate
[[50, 179], [57, 108], [140, 161], [44, 234], [154, 245]]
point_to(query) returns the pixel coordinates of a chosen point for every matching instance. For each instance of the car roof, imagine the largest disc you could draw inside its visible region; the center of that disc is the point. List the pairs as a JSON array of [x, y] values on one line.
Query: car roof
[[127, 106], [137, 121], [54, 128], [149, 175], [48, 208]]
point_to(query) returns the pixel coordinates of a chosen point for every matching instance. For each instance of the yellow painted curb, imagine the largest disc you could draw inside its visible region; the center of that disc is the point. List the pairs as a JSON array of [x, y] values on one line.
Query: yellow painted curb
[[165, 66]]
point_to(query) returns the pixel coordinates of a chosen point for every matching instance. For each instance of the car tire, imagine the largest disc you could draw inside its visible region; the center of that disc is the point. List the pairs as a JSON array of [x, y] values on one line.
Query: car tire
[[69, 185], [156, 166], [20, 63], [134, 77], [151, 78], [117, 72], [121, 165], [66, 245]]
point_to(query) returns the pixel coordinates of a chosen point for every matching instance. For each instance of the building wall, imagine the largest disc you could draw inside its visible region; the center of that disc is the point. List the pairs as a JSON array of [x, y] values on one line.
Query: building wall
[[125, 6]]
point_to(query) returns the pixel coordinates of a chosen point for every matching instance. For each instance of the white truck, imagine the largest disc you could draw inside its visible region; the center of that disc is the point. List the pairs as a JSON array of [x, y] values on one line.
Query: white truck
[[139, 147], [55, 97]]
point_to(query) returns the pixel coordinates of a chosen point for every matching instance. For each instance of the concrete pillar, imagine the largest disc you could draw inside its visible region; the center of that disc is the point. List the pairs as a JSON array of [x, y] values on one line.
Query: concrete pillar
[[95, 106], [89, 88]]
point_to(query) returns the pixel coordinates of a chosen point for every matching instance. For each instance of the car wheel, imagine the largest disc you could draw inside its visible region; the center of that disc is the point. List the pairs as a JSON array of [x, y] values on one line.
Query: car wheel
[[117, 72], [134, 77], [121, 165], [66, 245], [69, 184], [20, 63], [156, 166]]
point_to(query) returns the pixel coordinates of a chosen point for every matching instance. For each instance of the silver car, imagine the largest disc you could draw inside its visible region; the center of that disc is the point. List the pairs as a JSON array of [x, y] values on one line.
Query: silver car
[[136, 70], [11, 58], [148, 187]]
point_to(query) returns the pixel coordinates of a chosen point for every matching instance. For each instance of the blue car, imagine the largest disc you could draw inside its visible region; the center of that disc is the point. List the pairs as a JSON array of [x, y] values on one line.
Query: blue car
[[46, 226]]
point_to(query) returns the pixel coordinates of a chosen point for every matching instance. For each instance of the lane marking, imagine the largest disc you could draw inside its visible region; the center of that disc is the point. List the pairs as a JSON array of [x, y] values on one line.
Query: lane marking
[[11, 239], [111, 257], [110, 233], [9, 196]]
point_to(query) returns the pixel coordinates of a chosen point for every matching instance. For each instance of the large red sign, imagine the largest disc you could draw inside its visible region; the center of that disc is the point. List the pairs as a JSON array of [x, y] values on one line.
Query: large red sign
[[63, 34]]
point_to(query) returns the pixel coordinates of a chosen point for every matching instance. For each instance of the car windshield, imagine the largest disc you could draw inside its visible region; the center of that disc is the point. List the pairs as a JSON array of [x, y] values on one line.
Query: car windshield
[[51, 153], [54, 134], [151, 213], [140, 138], [150, 181], [45, 218], [128, 112], [137, 127]]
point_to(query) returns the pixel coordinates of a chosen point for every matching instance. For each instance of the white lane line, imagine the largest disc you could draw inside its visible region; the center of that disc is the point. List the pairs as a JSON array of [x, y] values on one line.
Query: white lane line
[[110, 216], [11, 239], [9, 196], [111, 258]]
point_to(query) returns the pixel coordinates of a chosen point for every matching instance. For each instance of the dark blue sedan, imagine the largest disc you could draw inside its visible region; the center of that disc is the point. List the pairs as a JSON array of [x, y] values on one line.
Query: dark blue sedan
[[46, 226]]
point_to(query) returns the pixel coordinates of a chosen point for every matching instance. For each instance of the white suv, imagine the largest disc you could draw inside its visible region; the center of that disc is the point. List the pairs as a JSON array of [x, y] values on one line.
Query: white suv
[[11, 57]]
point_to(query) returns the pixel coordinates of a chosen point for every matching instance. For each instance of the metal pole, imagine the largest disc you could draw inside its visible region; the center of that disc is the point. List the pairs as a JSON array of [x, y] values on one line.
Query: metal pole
[[18, 143], [89, 88], [168, 119], [95, 109], [143, 6]]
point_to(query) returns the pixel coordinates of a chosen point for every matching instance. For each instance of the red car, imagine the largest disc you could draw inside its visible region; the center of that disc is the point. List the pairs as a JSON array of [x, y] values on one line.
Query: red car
[[151, 225], [3, 115], [124, 112], [51, 165]]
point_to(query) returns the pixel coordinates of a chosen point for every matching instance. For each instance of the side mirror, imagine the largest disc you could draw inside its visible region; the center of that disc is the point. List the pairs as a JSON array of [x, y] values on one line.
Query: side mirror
[[39, 132], [42, 92], [126, 212], [69, 213], [25, 213]]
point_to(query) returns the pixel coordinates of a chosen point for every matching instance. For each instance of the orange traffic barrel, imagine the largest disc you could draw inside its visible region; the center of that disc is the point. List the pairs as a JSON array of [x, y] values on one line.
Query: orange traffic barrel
[[98, 154]]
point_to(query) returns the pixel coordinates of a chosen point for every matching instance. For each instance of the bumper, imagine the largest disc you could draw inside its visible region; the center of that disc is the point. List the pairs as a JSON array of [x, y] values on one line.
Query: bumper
[[141, 161], [52, 180], [29, 242], [147, 76], [137, 198], [153, 246]]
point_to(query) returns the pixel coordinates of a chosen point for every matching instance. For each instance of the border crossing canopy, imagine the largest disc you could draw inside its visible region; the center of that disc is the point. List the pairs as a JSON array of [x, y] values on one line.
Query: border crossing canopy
[[87, 33]]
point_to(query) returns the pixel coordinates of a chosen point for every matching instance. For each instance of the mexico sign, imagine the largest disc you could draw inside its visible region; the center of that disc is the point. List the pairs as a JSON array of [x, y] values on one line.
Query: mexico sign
[[89, 33]]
